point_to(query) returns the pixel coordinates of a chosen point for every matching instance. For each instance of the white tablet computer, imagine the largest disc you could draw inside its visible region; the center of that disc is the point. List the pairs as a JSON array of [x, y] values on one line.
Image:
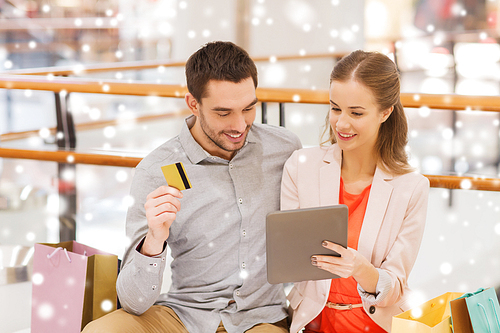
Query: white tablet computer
[[293, 236]]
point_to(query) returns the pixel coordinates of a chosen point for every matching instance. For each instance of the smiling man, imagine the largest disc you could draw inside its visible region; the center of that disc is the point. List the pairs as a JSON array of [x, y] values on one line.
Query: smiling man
[[226, 116], [217, 237]]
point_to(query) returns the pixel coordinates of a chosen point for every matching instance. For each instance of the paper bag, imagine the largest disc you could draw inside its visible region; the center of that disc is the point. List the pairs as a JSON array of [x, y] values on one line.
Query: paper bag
[[431, 317], [476, 312], [460, 319], [73, 284]]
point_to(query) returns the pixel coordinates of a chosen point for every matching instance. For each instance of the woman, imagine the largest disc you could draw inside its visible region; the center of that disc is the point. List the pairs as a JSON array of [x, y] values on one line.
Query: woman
[[365, 168]]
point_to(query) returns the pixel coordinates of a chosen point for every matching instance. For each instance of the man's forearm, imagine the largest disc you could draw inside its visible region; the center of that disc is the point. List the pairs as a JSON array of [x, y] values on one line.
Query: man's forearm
[[140, 280], [152, 247]]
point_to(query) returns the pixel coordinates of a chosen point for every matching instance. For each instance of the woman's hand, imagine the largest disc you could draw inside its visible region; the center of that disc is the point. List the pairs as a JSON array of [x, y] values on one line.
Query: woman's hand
[[350, 263]]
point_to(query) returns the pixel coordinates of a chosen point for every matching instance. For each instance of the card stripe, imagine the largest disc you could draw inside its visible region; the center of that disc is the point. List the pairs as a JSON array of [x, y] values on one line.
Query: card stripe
[[183, 175]]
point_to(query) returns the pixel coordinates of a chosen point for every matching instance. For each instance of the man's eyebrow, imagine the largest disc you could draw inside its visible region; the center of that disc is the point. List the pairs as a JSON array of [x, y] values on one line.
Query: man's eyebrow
[[221, 108], [252, 103]]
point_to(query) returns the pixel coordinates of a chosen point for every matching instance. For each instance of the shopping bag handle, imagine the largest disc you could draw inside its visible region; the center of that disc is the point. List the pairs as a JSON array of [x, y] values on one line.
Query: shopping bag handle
[[495, 311], [480, 290], [58, 249], [485, 316]]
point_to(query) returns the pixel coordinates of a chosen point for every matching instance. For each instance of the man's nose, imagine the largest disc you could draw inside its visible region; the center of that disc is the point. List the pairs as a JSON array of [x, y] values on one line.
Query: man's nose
[[239, 123]]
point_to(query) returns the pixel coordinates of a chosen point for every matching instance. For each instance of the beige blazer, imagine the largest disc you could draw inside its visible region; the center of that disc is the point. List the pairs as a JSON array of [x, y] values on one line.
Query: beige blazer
[[390, 236]]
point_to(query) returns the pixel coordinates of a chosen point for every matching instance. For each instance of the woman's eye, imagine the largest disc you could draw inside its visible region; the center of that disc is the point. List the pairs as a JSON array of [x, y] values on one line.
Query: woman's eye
[[336, 110], [357, 114]]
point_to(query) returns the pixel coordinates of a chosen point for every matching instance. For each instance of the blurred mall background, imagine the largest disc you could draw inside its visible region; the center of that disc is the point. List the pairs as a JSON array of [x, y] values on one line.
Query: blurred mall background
[[440, 46]]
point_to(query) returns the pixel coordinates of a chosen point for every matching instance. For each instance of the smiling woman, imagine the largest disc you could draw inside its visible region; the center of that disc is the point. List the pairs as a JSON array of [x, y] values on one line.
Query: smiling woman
[[375, 81], [365, 168], [355, 117]]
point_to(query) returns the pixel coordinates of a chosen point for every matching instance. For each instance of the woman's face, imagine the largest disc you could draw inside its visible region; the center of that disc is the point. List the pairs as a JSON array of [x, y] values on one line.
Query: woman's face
[[354, 116]]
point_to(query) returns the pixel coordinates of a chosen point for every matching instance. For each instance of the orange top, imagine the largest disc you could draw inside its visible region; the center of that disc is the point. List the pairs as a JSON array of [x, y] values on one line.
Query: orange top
[[344, 291]]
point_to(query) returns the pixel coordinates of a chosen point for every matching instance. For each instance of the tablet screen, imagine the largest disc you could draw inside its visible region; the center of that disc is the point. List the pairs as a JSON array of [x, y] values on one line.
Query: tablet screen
[[293, 236]]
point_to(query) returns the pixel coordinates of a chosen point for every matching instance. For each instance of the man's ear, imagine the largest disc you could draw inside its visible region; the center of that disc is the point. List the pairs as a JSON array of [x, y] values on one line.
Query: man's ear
[[192, 104], [386, 113]]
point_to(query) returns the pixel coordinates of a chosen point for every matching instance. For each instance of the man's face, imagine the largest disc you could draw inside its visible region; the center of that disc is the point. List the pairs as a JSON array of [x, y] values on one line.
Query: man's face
[[225, 116]]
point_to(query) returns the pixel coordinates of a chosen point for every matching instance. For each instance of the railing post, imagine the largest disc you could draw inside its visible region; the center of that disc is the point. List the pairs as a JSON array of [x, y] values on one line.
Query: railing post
[[282, 114], [453, 117], [264, 112], [498, 150], [66, 172], [8, 92], [8, 95]]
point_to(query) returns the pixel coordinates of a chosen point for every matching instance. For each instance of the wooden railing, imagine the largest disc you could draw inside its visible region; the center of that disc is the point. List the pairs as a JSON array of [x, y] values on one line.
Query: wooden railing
[[84, 85], [115, 87], [95, 125], [149, 64], [68, 157], [71, 157], [449, 182]]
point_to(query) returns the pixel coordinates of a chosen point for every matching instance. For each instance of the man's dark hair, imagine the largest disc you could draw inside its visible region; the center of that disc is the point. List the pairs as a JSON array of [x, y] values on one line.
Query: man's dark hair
[[220, 61]]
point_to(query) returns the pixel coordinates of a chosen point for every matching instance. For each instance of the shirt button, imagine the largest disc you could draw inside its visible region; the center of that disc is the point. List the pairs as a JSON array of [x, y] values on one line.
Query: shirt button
[[231, 165], [155, 264], [240, 200], [153, 287], [237, 293], [244, 233], [372, 309], [243, 265], [163, 259]]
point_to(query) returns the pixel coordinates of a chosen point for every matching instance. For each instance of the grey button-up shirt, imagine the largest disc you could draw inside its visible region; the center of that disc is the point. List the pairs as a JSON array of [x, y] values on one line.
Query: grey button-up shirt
[[218, 237]]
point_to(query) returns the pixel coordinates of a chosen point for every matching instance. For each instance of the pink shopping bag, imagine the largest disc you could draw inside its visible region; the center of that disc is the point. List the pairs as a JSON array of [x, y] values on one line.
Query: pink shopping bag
[[72, 285]]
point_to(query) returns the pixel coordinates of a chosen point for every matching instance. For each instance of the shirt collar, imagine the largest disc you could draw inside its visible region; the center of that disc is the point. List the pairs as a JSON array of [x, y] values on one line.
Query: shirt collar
[[193, 150]]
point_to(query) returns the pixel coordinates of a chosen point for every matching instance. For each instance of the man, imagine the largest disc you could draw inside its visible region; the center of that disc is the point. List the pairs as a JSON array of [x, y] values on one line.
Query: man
[[217, 237]]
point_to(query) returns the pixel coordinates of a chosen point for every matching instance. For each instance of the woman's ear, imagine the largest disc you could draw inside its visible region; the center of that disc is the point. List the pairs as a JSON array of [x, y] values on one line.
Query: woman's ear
[[386, 113], [192, 104]]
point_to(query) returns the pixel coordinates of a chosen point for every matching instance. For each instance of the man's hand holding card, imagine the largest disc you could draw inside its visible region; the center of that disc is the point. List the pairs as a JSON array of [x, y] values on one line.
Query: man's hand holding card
[[162, 206]]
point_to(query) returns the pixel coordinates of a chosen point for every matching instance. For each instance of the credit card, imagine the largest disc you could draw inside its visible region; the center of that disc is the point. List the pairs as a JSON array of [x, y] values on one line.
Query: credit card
[[175, 175]]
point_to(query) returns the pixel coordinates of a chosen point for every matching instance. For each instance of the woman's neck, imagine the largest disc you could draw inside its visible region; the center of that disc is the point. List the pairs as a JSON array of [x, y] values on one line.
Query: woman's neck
[[357, 171]]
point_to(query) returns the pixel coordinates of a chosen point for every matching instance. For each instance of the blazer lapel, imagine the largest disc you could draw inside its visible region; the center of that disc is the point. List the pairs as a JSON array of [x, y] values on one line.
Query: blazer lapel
[[329, 176], [380, 194]]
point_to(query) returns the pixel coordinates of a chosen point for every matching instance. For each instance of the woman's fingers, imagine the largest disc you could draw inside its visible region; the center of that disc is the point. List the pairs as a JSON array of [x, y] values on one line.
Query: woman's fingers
[[341, 266], [332, 266], [339, 249]]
